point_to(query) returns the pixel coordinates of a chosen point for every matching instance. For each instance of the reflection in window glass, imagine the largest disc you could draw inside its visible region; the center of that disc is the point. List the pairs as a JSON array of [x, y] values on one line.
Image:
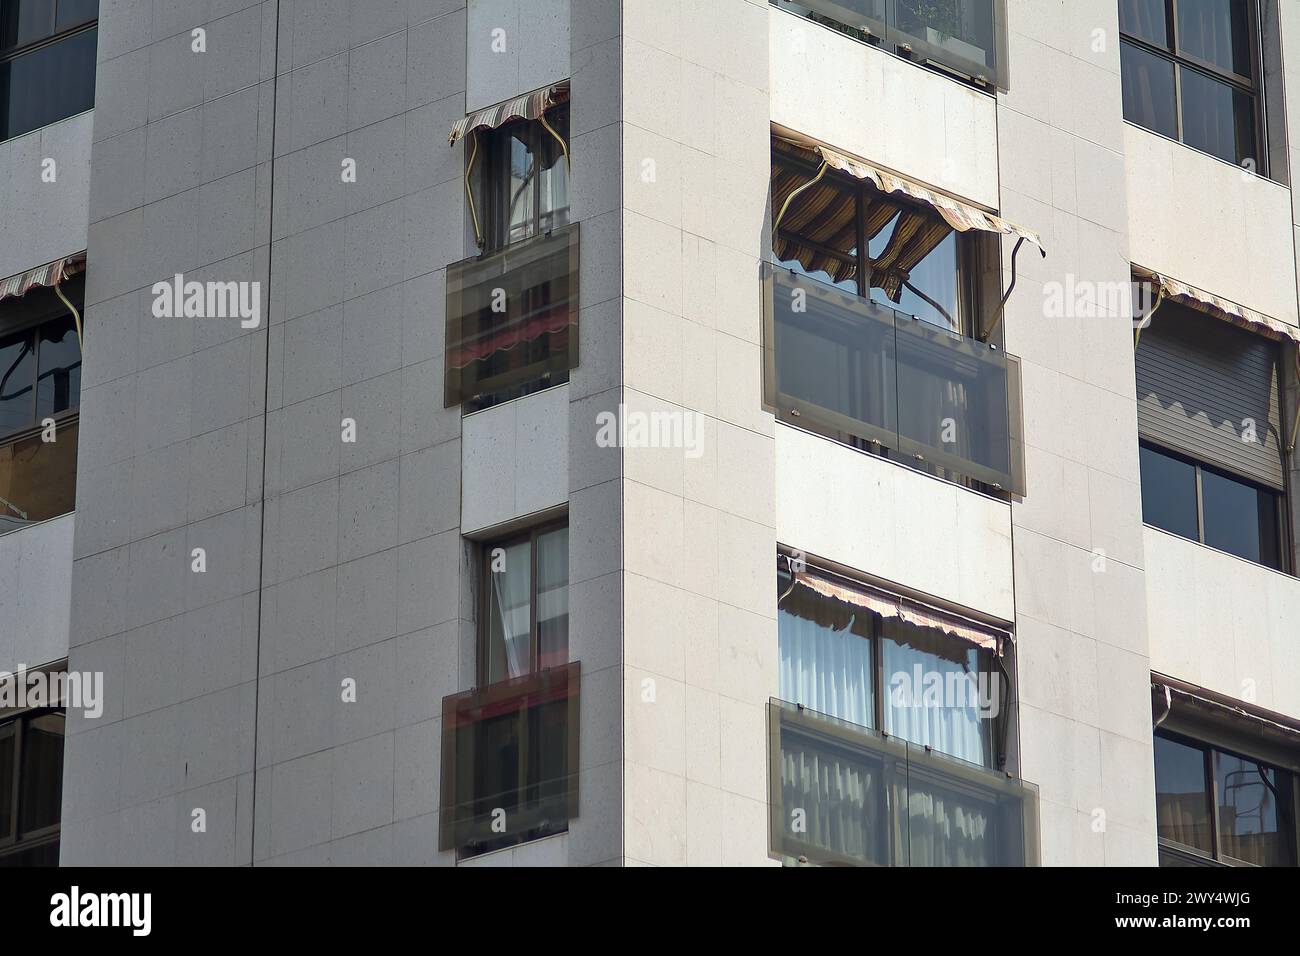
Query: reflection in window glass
[[1216, 31], [1148, 90], [1182, 799], [58, 385], [74, 12], [519, 187], [553, 598], [553, 205], [825, 659], [1145, 19], [1251, 798], [928, 288], [1217, 118], [509, 635], [17, 375], [1168, 493], [42, 773], [7, 744], [1239, 518]]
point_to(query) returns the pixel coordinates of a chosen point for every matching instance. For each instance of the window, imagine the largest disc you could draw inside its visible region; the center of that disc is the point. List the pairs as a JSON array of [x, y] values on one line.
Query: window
[[524, 179], [40, 394], [863, 668], [510, 746], [512, 312], [47, 62], [31, 788], [1209, 419], [1215, 805], [888, 739], [1192, 71], [959, 37], [872, 324], [525, 605]]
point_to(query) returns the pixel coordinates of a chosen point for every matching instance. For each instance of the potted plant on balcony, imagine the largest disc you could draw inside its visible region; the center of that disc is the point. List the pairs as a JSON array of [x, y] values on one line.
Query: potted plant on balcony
[[939, 22]]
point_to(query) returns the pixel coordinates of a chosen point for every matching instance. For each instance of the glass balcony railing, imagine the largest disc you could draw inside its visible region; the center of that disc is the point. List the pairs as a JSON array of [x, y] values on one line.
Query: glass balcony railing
[[840, 363], [844, 795], [510, 761], [38, 479], [966, 37], [512, 320]]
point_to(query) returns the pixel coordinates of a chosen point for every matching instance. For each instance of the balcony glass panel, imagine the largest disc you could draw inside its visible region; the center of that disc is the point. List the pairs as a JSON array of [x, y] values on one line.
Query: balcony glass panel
[[838, 362], [960, 35], [846, 795], [512, 320], [510, 761], [38, 480]]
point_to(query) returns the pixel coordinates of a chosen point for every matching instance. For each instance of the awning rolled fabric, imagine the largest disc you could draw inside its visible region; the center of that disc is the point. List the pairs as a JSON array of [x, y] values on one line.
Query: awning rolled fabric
[[1223, 309], [961, 216], [889, 605], [47, 275], [529, 106]]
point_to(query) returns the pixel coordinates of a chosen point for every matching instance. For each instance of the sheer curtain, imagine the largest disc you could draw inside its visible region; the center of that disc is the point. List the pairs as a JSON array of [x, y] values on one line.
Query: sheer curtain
[[553, 598], [509, 635], [826, 668]]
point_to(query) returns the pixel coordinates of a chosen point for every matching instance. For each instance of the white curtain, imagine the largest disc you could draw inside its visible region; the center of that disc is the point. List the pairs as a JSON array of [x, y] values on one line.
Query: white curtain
[[511, 613], [826, 670]]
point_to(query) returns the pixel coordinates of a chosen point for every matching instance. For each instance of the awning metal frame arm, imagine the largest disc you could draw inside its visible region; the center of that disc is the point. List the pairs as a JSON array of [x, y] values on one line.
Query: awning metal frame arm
[[76, 316], [1137, 331], [790, 198], [1295, 413], [469, 190], [1002, 306]]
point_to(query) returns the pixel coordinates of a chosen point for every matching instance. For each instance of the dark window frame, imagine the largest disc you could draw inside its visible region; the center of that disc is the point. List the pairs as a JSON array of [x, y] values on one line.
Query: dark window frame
[[482, 637], [494, 173], [1280, 500], [33, 316], [9, 54], [1210, 754], [1252, 86], [13, 839]]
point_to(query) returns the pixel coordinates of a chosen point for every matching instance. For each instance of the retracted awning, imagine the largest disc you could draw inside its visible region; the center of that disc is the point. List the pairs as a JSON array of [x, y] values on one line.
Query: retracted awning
[[889, 605], [960, 215], [1221, 308], [47, 275], [529, 106]]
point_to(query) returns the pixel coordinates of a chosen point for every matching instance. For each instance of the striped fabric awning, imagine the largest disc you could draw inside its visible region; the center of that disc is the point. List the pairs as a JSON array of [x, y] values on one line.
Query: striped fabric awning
[[960, 215], [1224, 309], [529, 106], [889, 605], [47, 275]]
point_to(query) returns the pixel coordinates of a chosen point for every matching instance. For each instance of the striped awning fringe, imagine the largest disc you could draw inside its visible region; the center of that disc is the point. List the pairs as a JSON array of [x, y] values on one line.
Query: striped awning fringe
[[529, 106], [47, 275], [888, 605], [960, 215], [1224, 309]]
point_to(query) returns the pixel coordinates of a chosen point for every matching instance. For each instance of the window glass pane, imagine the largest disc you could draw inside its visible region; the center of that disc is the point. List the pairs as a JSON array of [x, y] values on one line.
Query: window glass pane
[[42, 773], [1218, 118], [72, 12], [824, 649], [1239, 518], [914, 261], [17, 379], [1255, 819], [553, 180], [1217, 31], [553, 598], [47, 85], [58, 383], [1182, 795], [1168, 493], [23, 21], [939, 692], [519, 185], [509, 625], [1148, 85], [6, 779], [1145, 19]]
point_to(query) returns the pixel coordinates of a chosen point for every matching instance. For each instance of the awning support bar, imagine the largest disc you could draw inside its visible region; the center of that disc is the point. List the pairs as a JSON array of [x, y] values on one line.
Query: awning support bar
[[469, 191], [1002, 306], [790, 198]]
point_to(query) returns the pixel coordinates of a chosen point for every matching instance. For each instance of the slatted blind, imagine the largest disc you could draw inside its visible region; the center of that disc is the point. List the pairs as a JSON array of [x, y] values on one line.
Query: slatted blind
[[1198, 381]]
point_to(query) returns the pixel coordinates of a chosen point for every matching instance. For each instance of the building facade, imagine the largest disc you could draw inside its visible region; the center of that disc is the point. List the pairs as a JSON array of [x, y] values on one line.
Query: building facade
[[575, 432]]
